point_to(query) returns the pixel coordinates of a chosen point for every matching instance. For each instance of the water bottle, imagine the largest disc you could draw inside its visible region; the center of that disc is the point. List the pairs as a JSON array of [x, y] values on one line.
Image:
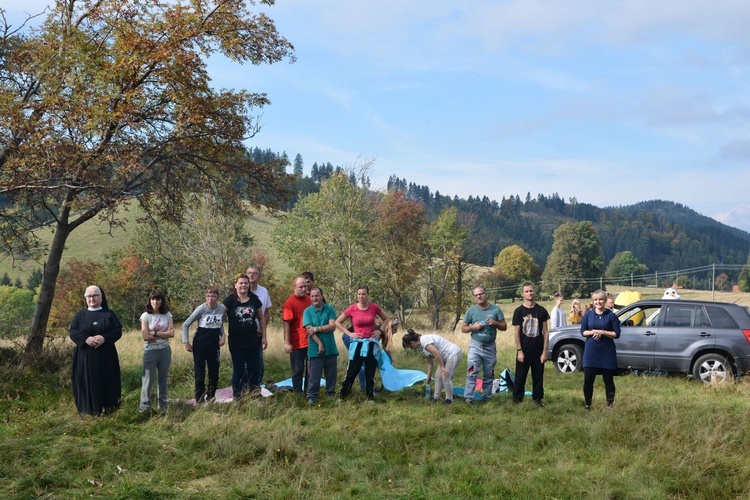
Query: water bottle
[[427, 391]]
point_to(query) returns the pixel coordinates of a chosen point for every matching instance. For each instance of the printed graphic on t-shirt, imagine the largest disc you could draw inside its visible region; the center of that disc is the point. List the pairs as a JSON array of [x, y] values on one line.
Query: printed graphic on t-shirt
[[244, 314], [530, 326], [213, 319], [160, 325]]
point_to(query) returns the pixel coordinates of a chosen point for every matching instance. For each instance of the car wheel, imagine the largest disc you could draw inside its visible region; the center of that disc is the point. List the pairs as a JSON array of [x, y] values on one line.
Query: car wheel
[[714, 368], [569, 359]]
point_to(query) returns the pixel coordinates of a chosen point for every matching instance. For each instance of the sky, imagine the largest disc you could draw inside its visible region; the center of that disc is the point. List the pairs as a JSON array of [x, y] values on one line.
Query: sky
[[610, 103]]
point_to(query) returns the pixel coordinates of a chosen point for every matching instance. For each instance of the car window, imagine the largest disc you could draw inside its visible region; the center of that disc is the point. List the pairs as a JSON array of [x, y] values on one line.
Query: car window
[[720, 318], [641, 316], [679, 315], [701, 319]]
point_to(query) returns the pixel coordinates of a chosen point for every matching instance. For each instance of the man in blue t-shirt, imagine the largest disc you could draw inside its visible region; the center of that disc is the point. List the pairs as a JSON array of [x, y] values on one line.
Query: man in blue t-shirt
[[482, 320]]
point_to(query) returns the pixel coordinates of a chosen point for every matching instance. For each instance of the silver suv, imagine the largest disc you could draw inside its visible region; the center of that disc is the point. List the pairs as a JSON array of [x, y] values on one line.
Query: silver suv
[[710, 340]]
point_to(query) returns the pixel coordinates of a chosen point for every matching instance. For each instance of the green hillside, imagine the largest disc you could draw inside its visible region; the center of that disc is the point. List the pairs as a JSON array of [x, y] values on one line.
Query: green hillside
[[93, 241]]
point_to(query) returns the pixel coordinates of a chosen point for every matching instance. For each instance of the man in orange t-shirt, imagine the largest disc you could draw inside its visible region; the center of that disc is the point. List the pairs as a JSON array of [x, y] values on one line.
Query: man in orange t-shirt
[[295, 335]]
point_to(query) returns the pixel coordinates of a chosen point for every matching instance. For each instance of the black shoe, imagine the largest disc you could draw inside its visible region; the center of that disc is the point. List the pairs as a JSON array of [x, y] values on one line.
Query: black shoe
[[539, 403], [588, 407], [448, 402]]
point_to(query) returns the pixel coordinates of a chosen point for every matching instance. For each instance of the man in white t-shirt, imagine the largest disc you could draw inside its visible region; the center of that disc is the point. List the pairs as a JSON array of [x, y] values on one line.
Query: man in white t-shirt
[[253, 275]]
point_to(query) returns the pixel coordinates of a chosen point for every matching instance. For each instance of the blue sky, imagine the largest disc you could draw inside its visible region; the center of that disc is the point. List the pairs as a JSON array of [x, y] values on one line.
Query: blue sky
[[609, 102]]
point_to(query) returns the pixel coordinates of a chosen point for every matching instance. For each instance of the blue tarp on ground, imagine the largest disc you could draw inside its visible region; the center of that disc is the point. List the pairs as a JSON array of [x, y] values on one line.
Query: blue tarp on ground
[[395, 379], [288, 383]]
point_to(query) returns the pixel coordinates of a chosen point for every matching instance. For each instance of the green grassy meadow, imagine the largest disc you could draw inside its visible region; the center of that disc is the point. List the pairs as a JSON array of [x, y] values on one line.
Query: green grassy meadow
[[666, 437]]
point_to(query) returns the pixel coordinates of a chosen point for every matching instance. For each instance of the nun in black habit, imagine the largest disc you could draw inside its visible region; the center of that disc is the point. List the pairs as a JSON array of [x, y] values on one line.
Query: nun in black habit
[[96, 366]]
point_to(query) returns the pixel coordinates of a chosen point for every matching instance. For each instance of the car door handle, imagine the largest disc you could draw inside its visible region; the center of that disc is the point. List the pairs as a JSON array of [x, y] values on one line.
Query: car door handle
[[704, 334], [649, 333]]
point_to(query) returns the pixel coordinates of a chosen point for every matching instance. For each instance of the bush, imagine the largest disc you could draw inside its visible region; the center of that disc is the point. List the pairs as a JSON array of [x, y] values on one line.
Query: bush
[[16, 310]]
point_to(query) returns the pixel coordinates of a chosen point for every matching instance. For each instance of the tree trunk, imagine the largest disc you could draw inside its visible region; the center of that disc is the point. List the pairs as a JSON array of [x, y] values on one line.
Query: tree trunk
[[38, 330], [436, 313], [459, 294]]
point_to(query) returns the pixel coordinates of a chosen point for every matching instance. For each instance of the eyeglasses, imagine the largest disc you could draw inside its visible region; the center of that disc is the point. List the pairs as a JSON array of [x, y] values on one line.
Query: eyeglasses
[[91, 296], [480, 294]]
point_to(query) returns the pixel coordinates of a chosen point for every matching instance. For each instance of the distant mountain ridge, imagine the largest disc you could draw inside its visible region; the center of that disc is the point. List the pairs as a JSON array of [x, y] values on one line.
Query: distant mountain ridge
[[663, 235], [680, 213]]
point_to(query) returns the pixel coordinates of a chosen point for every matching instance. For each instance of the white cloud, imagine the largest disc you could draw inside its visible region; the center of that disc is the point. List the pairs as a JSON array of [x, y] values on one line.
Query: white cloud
[[738, 216]]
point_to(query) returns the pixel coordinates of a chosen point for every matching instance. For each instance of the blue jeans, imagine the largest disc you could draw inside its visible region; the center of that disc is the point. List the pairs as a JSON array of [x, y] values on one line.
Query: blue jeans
[[246, 368], [481, 357]]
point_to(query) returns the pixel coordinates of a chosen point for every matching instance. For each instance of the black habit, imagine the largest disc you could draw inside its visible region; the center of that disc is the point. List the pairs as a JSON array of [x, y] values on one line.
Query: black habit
[[96, 371]]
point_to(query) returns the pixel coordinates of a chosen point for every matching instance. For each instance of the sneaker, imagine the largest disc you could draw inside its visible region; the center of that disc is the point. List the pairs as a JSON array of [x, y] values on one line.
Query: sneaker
[[448, 402], [588, 407], [539, 403], [310, 401], [469, 401]]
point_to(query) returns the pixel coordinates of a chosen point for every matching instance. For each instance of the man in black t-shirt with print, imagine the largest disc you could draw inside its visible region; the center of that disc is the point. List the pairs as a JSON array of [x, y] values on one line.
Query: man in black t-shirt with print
[[531, 324]]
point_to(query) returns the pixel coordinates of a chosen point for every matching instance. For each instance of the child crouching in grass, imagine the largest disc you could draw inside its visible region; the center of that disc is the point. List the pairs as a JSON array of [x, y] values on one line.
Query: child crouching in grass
[[447, 354]]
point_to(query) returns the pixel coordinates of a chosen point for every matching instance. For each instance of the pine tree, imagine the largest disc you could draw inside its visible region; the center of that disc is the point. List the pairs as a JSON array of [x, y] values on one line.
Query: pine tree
[[298, 166]]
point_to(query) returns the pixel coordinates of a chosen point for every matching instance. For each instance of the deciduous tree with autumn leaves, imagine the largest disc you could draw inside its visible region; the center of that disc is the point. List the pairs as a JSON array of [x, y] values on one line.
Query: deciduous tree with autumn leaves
[[108, 101]]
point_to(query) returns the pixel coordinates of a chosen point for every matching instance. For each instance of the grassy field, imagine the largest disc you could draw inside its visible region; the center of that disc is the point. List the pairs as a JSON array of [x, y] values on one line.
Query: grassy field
[[666, 437]]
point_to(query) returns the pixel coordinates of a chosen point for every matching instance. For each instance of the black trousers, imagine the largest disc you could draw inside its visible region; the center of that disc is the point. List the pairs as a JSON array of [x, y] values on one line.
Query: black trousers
[[530, 361], [298, 361], [355, 365], [206, 353], [589, 375]]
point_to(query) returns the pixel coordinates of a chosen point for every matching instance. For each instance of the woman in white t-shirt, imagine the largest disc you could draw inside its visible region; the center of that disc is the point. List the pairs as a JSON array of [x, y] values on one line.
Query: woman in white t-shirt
[[157, 329], [446, 353]]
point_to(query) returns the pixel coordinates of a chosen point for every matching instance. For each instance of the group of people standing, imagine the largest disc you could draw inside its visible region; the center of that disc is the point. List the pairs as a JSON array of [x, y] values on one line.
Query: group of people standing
[[309, 340], [530, 327], [94, 331], [600, 326]]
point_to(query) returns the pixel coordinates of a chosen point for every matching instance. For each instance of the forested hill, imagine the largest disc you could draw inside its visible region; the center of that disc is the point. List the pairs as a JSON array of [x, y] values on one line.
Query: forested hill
[[663, 235]]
